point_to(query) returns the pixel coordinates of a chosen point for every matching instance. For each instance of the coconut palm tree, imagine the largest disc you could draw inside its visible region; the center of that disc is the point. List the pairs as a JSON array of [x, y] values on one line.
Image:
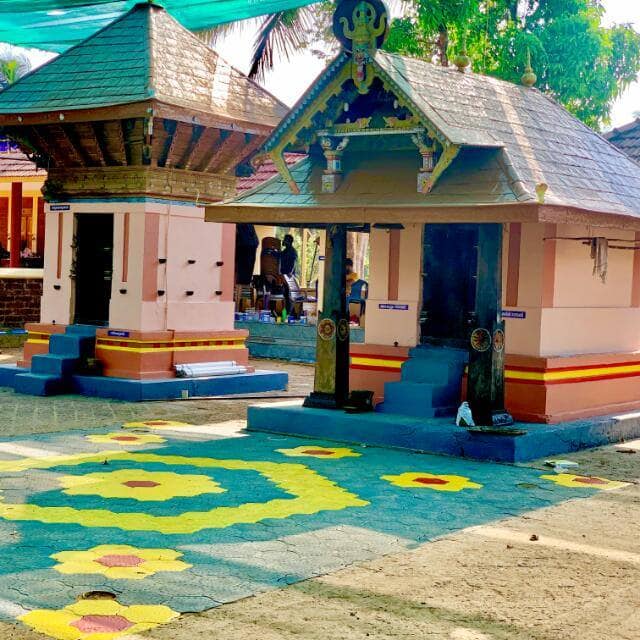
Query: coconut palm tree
[[278, 35]]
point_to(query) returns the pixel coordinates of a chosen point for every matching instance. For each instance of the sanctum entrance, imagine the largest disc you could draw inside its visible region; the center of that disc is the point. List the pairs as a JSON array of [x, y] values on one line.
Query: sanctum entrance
[[93, 268], [449, 276]]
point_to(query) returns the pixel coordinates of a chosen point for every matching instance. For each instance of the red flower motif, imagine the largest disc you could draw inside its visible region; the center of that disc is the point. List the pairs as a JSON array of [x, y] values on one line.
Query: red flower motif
[[102, 624]]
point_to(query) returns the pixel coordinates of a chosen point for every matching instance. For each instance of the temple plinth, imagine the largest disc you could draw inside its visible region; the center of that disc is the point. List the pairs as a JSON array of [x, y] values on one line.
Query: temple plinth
[[139, 127], [504, 252]]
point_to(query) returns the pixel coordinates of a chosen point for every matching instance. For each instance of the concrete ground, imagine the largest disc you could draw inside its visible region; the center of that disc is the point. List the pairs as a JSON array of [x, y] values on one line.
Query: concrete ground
[[569, 570]]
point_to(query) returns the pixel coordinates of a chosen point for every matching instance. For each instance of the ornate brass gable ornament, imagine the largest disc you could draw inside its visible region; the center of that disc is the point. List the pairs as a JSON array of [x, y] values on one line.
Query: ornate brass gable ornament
[[361, 26]]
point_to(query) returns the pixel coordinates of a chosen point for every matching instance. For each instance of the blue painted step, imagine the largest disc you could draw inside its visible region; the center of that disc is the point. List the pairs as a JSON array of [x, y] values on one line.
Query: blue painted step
[[51, 372], [429, 386], [54, 364], [86, 330], [39, 384], [74, 345]]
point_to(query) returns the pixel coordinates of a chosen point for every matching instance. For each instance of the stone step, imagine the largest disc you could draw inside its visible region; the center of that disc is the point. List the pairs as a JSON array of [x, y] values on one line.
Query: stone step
[[417, 399], [37, 384], [73, 345], [54, 364], [440, 354], [86, 330], [432, 371]]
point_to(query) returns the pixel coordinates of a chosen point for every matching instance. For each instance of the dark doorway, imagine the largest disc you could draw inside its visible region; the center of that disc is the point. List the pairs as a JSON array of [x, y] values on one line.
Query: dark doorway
[[450, 263], [93, 267]]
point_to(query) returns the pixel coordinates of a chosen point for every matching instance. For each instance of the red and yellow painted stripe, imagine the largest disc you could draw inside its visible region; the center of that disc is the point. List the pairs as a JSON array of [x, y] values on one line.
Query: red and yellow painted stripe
[[157, 346], [567, 375], [38, 337], [370, 362]]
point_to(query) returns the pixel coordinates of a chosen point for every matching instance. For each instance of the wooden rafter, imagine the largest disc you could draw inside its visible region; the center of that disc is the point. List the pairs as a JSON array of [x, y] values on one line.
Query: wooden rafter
[[204, 149], [75, 138], [164, 134], [63, 142], [197, 132], [41, 143], [99, 135], [226, 150], [88, 141], [114, 142], [252, 144], [179, 144]]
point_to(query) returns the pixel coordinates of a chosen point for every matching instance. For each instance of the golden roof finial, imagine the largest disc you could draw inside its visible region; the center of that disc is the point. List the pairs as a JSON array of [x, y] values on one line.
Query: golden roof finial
[[529, 78]]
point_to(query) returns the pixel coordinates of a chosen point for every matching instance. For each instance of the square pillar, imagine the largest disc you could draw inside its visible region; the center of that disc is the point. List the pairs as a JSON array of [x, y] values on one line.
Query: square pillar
[[331, 383], [16, 223], [485, 390]]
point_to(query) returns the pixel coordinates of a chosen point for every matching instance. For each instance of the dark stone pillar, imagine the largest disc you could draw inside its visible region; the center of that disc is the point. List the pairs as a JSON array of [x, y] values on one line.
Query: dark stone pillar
[[16, 223], [485, 390], [331, 384]]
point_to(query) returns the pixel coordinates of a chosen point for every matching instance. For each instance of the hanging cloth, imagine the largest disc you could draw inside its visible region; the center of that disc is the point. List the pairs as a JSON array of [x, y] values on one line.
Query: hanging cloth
[[600, 256]]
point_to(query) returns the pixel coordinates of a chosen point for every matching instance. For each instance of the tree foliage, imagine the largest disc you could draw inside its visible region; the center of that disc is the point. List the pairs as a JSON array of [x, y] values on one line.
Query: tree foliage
[[13, 65], [579, 61]]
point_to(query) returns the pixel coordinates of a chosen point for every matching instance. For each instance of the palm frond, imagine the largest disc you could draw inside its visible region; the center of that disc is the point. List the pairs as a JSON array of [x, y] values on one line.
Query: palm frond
[[280, 34]]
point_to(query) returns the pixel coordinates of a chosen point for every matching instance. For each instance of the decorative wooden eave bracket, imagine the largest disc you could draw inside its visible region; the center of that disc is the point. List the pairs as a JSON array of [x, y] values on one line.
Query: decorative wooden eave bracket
[[431, 169]]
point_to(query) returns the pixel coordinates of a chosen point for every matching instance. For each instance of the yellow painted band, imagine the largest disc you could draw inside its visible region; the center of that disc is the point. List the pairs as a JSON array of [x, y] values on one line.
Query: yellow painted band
[[376, 362], [309, 493], [222, 347], [35, 341]]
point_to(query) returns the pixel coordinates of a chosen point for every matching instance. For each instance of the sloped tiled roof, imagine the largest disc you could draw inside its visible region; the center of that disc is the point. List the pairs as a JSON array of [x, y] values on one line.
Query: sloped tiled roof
[[536, 141], [388, 180], [627, 138], [16, 164], [143, 55], [266, 171]]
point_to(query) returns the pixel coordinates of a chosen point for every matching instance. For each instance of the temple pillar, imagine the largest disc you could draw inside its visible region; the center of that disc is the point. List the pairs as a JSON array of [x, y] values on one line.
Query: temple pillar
[[331, 383], [485, 391], [16, 223]]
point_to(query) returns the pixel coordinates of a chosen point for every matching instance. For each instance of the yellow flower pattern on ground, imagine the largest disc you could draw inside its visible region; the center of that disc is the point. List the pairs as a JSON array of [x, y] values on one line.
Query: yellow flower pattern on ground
[[137, 484], [119, 561], [97, 620], [124, 439], [156, 424], [584, 482], [311, 493], [413, 480], [313, 451]]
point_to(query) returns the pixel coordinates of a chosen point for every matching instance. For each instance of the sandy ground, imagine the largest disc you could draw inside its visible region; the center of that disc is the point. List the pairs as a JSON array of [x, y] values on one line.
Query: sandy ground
[[579, 580]]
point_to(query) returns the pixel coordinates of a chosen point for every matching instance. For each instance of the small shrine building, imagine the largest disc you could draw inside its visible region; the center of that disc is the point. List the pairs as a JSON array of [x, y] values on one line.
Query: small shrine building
[[505, 238], [138, 127]]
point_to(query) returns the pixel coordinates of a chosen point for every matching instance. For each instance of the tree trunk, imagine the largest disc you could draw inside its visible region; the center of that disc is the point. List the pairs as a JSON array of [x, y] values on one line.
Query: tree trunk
[[442, 44]]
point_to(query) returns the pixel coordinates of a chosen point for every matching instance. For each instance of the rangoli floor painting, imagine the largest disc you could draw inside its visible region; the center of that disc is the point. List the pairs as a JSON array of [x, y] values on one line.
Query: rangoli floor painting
[[108, 533]]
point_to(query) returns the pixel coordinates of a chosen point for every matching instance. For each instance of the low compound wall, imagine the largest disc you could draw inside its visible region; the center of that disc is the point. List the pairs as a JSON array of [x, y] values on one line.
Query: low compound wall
[[20, 293]]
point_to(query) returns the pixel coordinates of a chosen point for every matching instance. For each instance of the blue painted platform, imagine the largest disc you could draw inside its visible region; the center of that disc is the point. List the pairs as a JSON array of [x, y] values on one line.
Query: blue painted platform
[[167, 389], [440, 435], [291, 342]]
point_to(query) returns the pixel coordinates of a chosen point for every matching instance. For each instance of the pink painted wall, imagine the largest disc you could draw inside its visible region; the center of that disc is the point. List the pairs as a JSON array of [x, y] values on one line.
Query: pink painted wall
[[388, 326], [144, 233], [569, 310]]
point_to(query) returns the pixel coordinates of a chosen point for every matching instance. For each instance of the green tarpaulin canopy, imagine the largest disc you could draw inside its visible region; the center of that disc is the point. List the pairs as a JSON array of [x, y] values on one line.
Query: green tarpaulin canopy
[[55, 25]]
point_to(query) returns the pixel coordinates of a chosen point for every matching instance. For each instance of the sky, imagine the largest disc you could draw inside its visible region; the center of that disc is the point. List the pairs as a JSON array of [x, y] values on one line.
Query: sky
[[290, 78]]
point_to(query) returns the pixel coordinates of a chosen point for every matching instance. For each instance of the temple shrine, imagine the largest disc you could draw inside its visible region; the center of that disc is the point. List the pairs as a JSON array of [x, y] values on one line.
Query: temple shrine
[[138, 127], [505, 264]]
